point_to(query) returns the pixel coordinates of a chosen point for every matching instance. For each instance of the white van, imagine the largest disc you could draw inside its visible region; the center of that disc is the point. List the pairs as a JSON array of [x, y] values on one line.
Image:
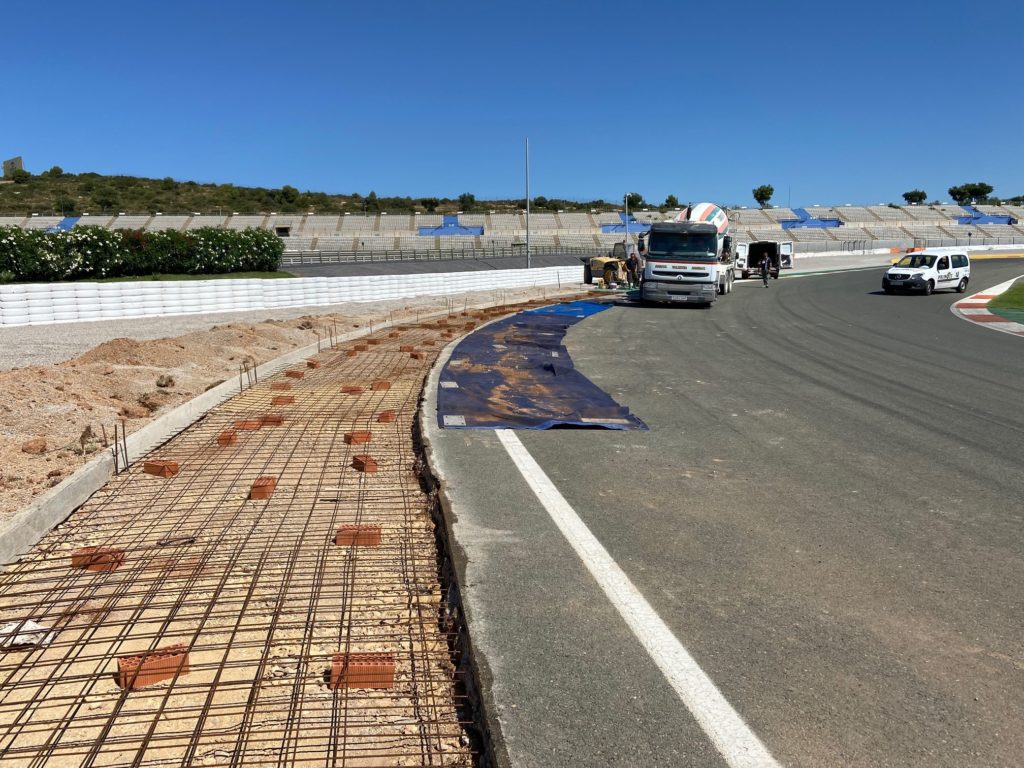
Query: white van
[[748, 257], [932, 269]]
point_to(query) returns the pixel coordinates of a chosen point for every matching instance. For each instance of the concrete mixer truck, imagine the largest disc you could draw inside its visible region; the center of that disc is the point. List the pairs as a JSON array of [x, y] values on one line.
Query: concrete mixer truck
[[689, 260]]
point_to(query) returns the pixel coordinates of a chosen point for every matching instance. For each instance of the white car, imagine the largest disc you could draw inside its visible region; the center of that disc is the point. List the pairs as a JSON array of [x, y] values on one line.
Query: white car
[[929, 270]]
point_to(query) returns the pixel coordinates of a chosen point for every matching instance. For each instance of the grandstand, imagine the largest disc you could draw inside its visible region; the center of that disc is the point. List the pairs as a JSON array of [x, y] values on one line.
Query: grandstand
[[383, 233]]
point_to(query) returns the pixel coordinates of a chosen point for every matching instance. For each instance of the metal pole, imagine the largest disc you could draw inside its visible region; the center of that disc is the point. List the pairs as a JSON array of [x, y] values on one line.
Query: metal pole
[[625, 244], [528, 262]]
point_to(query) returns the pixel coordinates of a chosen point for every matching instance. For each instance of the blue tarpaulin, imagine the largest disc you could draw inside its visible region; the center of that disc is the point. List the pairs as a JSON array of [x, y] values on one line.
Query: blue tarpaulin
[[450, 227], [617, 229], [977, 217], [806, 221], [516, 374]]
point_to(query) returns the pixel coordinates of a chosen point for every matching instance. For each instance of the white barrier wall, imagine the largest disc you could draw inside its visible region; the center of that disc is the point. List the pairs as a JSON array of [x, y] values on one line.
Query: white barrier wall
[[34, 304]]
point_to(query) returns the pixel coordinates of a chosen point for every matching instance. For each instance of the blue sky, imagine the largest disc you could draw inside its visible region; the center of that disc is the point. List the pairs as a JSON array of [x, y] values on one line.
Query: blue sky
[[831, 103]]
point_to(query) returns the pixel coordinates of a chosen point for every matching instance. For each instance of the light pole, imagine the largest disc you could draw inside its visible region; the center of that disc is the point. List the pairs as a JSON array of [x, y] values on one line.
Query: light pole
[[527, 202]]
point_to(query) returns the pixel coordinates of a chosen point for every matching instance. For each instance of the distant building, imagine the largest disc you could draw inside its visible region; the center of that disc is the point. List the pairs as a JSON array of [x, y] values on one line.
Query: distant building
[[12, 165]]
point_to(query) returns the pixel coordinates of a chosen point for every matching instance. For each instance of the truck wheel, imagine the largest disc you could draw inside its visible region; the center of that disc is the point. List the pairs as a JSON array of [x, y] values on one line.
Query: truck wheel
[[928, 288], [746, 274], [588, 274], [962, 286]]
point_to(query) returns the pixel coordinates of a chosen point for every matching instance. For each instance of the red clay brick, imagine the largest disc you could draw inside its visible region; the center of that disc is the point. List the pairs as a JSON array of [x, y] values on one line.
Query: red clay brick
[[97, 558], [263, 487], [362, 347], [351, 390], [373, 342], [363, 670], [380, 385], [294, 374], [351, 353], [358, 437], [144, 669], [385, 417], [406, 348], [248, 424], [227, 437], [312, 363], [160, 467], [358, 536], [281, 386], [283, 400], [272, 420], [416, 355], [364, 463], [394, 334]]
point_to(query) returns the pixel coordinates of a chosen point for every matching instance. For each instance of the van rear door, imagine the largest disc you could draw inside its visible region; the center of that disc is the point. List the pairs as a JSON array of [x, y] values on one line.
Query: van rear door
[[741, 255], [786, 255]]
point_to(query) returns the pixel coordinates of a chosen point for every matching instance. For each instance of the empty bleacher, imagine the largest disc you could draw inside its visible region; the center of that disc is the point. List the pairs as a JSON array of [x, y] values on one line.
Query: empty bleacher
[[42, 222], [245, 222], [130, 222], [201, 222], [320, 224], [780, 214], [505, 222], [397, 222], [923, 213], [13, 221], [164, 223], [576, 222], [358, 223]]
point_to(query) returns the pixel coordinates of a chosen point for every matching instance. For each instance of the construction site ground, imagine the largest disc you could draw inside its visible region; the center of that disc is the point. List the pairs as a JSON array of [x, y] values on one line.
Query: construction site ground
[[267, 607]]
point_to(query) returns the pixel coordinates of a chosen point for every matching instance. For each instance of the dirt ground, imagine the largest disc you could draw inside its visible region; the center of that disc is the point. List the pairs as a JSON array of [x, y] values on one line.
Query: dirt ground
[[53, 418]]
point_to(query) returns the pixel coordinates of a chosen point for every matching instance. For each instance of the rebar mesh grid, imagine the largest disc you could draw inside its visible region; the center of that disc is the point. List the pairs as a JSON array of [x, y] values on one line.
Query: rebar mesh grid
[[256, 591]]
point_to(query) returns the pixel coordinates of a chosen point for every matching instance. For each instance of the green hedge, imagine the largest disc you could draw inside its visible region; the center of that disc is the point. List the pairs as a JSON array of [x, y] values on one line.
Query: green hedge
[[93, 252]]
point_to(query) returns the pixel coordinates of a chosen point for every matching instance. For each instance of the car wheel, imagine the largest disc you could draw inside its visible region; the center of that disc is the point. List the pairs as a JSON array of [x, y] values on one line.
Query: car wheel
[[962, 285], [889, 290], [928, 288]]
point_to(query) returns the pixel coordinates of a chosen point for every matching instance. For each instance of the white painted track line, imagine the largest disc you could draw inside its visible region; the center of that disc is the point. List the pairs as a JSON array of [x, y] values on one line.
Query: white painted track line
[[732, 737]]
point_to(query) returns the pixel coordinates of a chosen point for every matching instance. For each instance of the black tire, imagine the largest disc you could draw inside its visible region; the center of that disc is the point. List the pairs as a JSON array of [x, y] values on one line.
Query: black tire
[[746, 274], [889, 290], [962, 285], [588, 274], [928, 288]]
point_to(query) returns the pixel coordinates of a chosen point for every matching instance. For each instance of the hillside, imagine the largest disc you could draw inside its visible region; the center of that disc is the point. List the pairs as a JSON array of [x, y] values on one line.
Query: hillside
[[56, 192]]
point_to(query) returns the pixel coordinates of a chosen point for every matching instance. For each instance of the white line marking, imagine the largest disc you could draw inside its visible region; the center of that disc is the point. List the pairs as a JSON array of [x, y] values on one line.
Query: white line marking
[[731, 736]]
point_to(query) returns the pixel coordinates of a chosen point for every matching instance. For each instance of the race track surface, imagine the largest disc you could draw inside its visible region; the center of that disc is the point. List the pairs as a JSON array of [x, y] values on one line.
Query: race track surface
[[826, 512]]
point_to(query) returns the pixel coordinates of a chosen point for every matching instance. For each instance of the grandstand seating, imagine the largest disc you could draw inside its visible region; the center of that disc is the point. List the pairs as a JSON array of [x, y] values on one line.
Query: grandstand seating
[[504, 222], [317, 225], [358, 223], [472, 219], [244, 222], [12, 221], [780, 214], [130, 222], [42, 222], [199, 222], [97, 220], [576, 221], [924, 213], [171, 222], [399, 222]]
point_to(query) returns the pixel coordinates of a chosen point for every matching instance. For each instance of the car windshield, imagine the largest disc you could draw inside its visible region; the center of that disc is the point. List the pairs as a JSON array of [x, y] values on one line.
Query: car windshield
[[683, 245], [916, 261]]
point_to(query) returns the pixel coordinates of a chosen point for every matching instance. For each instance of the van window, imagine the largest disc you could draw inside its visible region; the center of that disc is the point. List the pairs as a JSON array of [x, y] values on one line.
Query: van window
[[943, 263], [959, 260], [917, 261]]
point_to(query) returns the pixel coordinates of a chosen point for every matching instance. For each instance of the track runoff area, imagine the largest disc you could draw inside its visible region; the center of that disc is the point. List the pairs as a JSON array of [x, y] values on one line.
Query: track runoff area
[[811, 558]]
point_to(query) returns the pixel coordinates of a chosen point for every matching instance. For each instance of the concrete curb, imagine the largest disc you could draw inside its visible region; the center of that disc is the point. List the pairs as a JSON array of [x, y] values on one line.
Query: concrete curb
[[52, 507]]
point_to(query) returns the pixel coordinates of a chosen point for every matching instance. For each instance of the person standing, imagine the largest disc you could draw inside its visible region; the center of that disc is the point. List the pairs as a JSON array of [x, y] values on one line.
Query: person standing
[[633, 269]]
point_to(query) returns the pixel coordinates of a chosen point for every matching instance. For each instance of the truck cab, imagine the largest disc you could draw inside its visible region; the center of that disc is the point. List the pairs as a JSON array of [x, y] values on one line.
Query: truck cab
[[748, 257], [688, 262]]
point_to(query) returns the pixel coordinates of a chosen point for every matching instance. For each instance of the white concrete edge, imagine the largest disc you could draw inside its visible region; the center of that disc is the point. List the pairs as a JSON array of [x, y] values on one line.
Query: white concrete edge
[[49, 509]]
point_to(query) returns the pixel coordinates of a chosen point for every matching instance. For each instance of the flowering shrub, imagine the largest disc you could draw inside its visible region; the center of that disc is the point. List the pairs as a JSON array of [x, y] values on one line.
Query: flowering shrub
[[93, 252]]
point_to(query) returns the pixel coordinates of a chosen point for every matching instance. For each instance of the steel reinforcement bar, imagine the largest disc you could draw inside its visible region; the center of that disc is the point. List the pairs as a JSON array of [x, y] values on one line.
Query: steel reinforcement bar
[[263, 589]]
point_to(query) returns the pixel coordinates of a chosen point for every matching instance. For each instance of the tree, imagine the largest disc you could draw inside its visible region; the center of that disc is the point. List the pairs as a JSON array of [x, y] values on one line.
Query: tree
[[430, 203], [105, 198], [372, 203], [634, 200], [289, 194], [977, 192], [54, 173], [540, 202], [671, 202], [915, 196], [20, 176], [763, 194], [467, 202], [64, 203]]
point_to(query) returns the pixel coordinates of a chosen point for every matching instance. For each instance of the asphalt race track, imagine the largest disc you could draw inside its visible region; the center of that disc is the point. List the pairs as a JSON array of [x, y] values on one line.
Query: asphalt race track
[[828, 513]]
